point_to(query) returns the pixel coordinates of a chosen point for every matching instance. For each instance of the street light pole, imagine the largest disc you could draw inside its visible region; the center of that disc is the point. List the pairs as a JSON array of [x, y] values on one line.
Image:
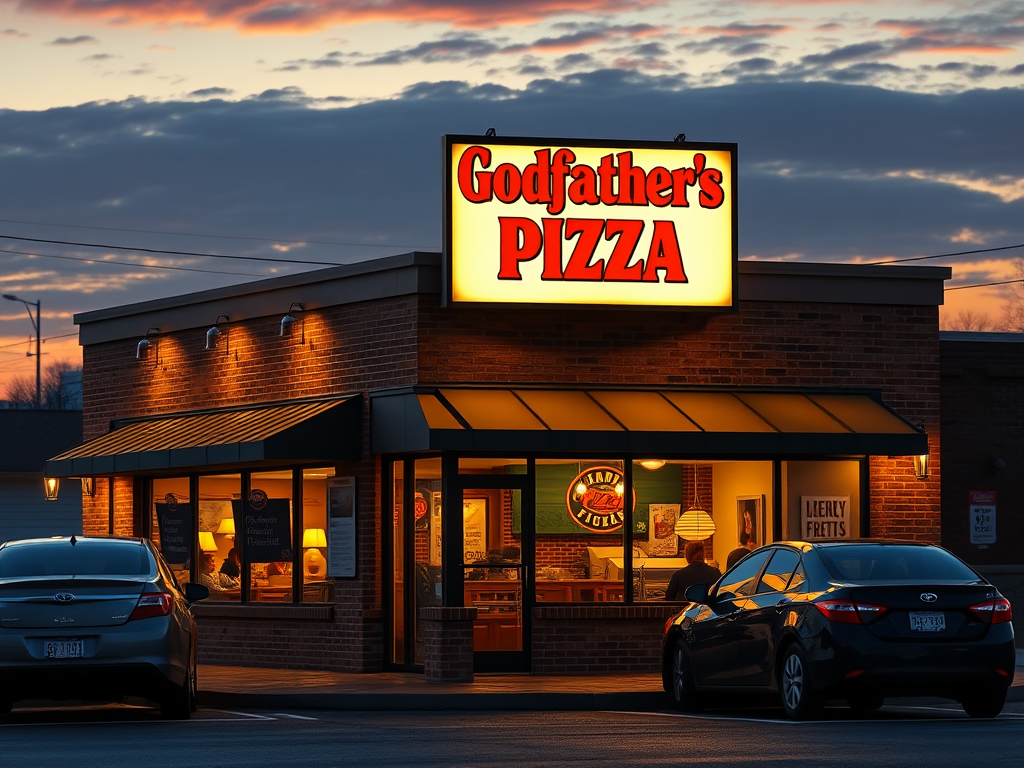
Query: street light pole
[[36, 324]]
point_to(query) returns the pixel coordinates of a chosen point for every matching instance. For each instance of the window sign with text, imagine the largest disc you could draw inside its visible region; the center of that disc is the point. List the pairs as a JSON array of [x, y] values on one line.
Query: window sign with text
[[341, 541], [983, 517], [823, 518], [572, 221]]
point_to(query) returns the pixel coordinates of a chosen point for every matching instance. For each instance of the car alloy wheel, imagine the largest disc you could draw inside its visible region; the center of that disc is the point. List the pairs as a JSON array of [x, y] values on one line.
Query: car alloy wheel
[[684, 692], [986, 704], [799, 699]]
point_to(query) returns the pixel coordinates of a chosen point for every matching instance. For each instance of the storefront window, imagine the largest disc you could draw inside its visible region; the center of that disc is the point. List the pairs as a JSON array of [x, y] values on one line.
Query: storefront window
[[172, 525], [579, 530], [427, 510], [315, 531], [266, 516], [219, 567], [822, 500], [735, 496], [398, 561]]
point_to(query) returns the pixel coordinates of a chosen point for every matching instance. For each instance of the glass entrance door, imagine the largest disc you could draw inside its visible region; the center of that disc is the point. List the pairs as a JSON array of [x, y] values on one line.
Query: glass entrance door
[[497, 571]]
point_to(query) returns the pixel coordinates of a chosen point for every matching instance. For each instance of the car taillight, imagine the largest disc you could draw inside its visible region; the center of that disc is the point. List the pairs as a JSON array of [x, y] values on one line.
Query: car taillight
[[849, 612], [993, 611], [153, 604]]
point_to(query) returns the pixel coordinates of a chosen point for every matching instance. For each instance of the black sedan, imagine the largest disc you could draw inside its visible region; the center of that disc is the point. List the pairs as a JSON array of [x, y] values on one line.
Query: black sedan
[[857, 620], [95, 619]]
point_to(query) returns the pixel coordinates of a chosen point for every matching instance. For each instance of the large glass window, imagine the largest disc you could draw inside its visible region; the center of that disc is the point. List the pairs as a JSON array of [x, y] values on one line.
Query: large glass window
[[822, 500], [267, 527], [219, 568], [427, 511], [398, 562], [315, 530]]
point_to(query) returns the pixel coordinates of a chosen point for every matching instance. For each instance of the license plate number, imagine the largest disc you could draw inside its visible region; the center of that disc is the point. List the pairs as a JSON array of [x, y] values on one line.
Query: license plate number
[[927, 621], [64, 648]]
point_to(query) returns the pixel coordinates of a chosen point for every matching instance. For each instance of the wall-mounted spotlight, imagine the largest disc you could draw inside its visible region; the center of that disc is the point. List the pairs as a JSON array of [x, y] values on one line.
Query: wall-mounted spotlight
[[288, 321], [921, 466], [215, 333], [142, 350], [88, 486], [52, 487]]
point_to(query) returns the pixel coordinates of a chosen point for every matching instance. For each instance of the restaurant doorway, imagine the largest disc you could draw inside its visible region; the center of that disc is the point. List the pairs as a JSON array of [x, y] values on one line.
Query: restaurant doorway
[[498, 568]]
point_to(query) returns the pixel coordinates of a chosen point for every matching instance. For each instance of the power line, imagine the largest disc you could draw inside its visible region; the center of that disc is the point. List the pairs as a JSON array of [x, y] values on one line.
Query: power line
[[984, 285], [131, 264], [176, 253], [944, 255], [218, 237], [48, 338]]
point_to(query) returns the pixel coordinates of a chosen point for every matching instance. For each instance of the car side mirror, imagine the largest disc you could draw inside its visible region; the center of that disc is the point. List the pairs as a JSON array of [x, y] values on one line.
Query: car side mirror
[[697, 593], [196, 592]]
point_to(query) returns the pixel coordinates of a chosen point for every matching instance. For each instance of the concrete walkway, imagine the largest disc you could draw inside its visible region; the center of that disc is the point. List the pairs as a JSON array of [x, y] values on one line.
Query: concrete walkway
[[248, 687]]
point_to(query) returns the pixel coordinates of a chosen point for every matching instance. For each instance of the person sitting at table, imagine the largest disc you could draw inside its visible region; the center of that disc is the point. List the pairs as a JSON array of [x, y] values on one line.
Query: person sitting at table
[[208, 575], [696, 572]]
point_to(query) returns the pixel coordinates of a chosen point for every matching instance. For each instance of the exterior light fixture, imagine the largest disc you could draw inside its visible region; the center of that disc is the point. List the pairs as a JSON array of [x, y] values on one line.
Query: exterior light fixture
[[206, 541], [652, 464], [921, 466], [88, 486], [227, 527], [143, 347], [313, 561], [289, 320], [695, 524], [52, 487], [214, 333]]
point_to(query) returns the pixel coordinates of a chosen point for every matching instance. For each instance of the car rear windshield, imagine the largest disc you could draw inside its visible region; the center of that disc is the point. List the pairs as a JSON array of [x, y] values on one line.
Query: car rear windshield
[[893, 562], [60, 558]]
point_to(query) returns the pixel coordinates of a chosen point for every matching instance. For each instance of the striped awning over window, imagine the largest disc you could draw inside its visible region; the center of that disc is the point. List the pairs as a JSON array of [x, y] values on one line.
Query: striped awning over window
[[650, 422], [292, 432]]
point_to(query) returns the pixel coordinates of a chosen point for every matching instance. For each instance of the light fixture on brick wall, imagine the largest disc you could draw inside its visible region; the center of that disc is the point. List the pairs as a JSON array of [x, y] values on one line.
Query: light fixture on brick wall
[[921, 466], [88, 486], [142, 349], [288, 321], [52, 487], [215, 333]]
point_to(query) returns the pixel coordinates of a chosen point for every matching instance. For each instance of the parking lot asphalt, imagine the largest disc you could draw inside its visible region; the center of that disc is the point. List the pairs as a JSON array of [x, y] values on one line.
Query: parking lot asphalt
[[223, 686]]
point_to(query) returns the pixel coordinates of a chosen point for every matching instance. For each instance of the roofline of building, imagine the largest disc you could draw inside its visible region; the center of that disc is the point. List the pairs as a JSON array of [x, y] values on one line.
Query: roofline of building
[[420, 272], [987, 337]]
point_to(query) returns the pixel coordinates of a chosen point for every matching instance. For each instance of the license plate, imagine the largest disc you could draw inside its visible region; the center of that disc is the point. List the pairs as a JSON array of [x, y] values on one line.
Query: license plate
[[64, 648], [927, 621]]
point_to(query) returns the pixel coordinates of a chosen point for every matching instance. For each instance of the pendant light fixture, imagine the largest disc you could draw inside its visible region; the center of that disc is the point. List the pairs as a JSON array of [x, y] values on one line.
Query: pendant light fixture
[[695, 524]]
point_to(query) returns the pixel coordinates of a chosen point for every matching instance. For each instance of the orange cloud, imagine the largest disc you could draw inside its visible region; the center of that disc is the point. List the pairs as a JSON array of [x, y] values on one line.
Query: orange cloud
[[283, 16], [737, 29]]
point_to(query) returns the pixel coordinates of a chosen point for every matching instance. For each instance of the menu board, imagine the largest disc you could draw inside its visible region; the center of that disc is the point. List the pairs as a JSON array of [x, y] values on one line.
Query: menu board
[[174, 519], [341, 541], [266, 528]]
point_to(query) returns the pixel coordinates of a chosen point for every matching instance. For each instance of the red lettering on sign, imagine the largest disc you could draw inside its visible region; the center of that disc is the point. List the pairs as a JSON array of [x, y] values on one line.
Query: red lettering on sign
[[664, 254], [628, 235], [520, 241], [482, 193], [579, 267]]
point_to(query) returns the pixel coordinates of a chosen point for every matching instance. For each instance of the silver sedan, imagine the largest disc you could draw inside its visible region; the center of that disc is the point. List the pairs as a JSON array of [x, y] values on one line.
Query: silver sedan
[[95, 619]]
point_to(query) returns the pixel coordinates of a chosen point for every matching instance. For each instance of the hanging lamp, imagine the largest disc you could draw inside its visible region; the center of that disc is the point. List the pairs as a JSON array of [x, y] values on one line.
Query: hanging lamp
[[695, 524]]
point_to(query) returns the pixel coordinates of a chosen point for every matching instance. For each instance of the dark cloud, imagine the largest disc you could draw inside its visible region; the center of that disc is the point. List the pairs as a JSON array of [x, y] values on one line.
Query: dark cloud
[[575, 61], [100, 57], [746, 66], [828, 171], [79, 40], [451, 48], [332, 59], [13, 33], [210, 93]]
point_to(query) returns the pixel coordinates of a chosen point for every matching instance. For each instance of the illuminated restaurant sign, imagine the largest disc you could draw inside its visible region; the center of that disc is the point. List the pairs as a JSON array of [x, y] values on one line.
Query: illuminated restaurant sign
[[548, 221], [594, 499]]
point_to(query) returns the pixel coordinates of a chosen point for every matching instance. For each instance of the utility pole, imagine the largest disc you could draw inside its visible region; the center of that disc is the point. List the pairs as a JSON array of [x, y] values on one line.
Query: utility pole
[[36, 324]]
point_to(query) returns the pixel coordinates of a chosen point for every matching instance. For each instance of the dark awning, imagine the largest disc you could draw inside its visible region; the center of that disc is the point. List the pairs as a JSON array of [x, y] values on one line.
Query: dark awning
[[322, 430], [648, 422]]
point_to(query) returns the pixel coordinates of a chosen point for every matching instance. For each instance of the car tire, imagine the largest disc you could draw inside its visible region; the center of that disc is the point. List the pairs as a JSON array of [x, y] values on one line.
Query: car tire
[[799, 698], [178, 701], [986, 704], [5, 709], [683, 690], [865, 702]]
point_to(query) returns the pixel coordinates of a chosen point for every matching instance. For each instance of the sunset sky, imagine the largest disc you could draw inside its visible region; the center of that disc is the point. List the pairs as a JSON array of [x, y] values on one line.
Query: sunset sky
[[310, 130]]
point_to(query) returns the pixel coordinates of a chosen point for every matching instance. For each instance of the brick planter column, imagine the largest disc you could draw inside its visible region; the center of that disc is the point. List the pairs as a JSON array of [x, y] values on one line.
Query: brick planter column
[[448, 633]]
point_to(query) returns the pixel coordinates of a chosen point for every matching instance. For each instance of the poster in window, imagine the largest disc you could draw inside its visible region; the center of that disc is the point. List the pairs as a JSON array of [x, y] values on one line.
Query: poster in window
[[474, 529], [662, 540], [266, 526], [825, 517], [750, 522], [435, 528], [174, 517], [341, 539]]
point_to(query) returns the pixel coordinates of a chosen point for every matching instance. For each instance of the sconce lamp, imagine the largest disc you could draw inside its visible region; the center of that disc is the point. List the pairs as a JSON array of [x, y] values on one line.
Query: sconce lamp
[[143, 347], [52, 487], [921, 466], [227, 527], [207, 542], [289, 320], [214, 333], [652, 464], [88, 486], [313, 562]]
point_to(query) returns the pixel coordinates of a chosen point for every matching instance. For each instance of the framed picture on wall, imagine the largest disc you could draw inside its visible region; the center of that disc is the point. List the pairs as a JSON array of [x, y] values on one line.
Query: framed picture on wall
[[474, 529], [750, 522]]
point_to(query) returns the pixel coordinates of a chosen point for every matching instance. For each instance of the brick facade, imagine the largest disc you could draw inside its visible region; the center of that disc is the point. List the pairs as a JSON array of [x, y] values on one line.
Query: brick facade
[[403, 340]]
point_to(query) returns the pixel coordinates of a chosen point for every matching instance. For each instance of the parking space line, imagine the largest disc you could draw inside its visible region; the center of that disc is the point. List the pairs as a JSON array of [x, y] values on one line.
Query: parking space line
[[243, 714], [293, 717]]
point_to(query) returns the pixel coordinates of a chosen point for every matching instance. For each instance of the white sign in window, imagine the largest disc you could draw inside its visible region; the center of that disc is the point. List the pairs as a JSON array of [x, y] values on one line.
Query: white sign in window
[[983, 517], [824, 518]]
